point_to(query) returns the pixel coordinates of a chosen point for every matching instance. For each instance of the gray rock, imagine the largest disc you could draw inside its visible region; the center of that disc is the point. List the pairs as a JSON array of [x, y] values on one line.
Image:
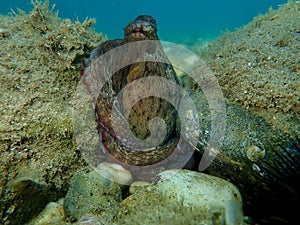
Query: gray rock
[[91, 193], [183, 197]]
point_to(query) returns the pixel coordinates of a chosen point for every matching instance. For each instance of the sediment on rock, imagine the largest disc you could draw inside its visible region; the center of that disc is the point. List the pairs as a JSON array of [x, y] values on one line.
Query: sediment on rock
[[39, 68]]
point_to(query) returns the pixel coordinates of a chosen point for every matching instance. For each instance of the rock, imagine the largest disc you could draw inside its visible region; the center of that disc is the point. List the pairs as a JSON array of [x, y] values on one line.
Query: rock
[[4, 32], [137, 185], [53, 214], [30, 197], [114, 172], [183, 197], [90, 219], [191, 185], [92, 193], [37, 134], [247, 65]]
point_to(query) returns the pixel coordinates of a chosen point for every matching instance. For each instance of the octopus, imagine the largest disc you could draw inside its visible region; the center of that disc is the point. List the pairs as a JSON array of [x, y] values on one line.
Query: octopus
[[117, 146], [265, 175]]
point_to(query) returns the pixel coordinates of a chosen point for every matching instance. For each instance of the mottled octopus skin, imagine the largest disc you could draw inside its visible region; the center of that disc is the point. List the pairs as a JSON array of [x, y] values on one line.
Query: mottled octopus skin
[[142, 28]]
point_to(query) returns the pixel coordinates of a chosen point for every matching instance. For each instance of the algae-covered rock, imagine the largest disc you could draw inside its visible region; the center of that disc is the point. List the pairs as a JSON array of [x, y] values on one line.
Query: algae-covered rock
[[53, 214], [30, 197], [258, 66], [183, 197], [92, 193], [39, 69]]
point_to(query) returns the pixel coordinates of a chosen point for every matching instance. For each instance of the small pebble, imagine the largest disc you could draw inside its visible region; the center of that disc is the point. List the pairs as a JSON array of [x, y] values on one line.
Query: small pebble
[[53, 214], [90, 219], [4, 32], [114, 172]]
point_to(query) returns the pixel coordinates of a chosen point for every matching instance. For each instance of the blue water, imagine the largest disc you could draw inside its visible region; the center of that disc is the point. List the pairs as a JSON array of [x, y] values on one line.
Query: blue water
[[178, 21]]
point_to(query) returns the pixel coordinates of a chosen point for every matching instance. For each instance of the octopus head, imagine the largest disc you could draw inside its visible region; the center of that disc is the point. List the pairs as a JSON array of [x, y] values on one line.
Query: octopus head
[[142, 28]]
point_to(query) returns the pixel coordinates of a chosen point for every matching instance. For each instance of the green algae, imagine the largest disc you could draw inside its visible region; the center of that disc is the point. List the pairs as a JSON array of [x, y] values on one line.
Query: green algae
[[39, 68]]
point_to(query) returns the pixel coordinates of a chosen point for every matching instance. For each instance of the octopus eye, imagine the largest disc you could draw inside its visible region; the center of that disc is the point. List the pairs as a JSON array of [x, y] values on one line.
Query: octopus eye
[[147, 27], [153, 21]]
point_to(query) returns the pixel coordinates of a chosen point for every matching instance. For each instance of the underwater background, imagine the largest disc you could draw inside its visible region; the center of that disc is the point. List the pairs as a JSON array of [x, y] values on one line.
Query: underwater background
[[252, 48], [178, 21]]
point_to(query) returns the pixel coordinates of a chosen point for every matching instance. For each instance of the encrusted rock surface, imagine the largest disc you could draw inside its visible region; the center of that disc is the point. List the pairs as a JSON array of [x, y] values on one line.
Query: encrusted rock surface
[[39, 69], [92, 193], [183, 197], [258, 66]]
